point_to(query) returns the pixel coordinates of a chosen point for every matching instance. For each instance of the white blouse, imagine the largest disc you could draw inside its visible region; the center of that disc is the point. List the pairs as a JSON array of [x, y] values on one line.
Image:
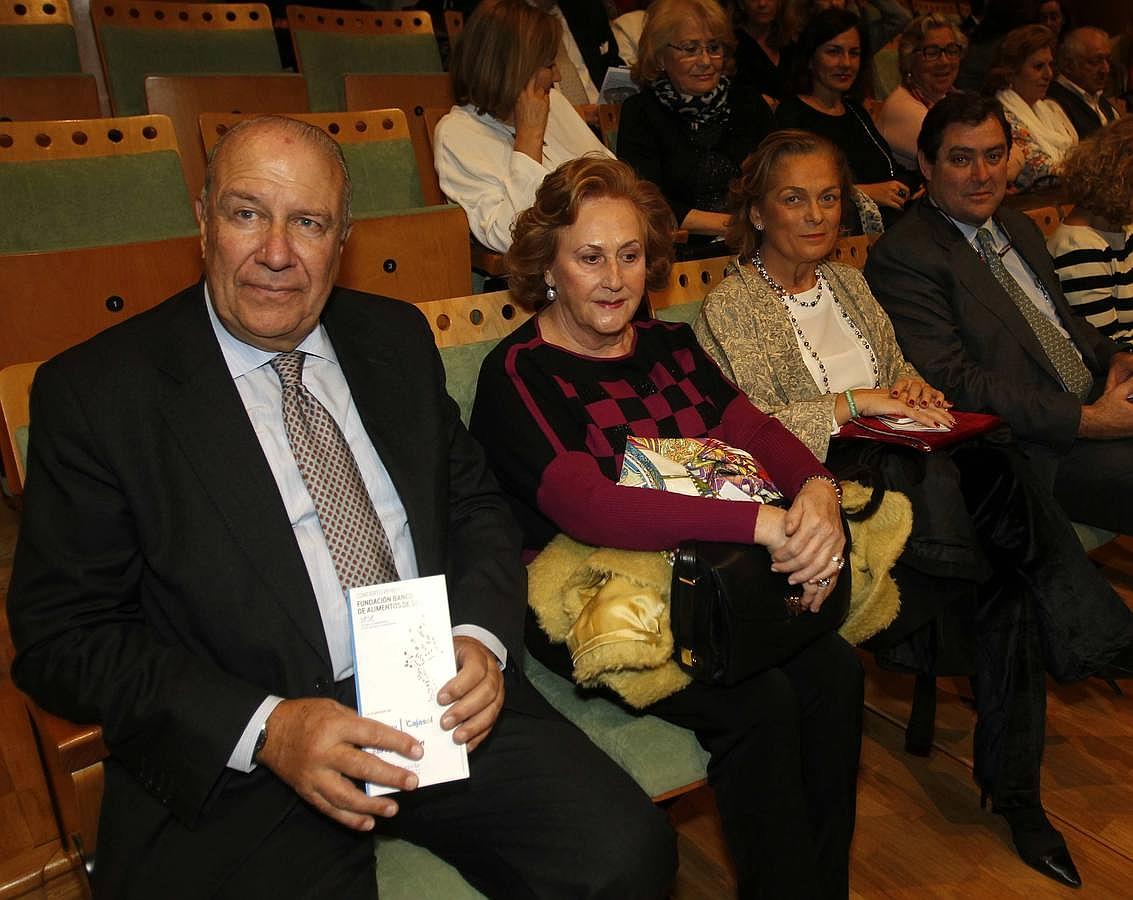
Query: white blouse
[[824, 327], [479, 167]]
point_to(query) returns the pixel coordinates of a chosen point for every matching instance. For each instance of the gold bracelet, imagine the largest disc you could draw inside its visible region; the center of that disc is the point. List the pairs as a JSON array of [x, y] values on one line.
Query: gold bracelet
[[827, 478]]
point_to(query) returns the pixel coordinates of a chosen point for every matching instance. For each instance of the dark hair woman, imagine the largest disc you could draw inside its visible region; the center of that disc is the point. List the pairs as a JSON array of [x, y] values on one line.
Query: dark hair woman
[[827, 66]]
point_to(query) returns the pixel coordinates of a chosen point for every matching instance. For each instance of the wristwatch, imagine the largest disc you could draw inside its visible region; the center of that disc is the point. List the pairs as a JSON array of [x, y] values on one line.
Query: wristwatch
[[261, 739]]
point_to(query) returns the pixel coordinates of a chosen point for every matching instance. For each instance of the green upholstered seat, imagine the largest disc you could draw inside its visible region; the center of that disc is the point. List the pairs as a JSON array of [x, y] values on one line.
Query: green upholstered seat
[[130, 54], [886, 73], [1091, 536], [659, 756], [70, 203], [327, 56], [38, 50], [408, 872], [462, 370], [682, 312], [384, 175]]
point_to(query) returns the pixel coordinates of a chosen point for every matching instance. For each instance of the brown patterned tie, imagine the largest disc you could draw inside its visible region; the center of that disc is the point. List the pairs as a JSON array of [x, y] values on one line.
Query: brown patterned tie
[[1075, 377], [357, 541]]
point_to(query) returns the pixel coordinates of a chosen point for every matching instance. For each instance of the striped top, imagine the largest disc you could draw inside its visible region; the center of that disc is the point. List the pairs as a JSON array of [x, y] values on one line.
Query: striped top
[[1096, 271]]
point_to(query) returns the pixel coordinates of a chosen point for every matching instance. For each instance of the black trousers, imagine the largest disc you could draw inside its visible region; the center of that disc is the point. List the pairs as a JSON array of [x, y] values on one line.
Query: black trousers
[[784, 748], [1094, 484], [544, 814], [1019, 584]]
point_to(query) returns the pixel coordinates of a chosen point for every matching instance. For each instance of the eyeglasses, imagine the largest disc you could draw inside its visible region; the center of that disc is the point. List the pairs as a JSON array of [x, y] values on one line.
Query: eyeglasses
[[932, 52], [693, 49]]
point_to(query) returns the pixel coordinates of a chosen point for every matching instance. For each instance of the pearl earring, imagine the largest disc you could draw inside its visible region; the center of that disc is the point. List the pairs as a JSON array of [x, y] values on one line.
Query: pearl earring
[[759, 226], [552, 294]]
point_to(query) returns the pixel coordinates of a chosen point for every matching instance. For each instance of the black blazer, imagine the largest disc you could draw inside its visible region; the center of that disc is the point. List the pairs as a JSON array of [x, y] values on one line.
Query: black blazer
[[692, 168], [1084, 119], [590, 28], [965, 335], [158, 588]]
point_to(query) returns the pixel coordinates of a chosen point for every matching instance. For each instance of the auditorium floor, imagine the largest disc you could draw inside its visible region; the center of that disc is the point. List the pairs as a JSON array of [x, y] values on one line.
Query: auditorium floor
[[920, 830]]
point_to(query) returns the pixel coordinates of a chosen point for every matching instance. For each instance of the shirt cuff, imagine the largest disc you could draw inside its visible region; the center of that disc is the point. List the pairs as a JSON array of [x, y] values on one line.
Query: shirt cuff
[[241, 758], [485, 637]]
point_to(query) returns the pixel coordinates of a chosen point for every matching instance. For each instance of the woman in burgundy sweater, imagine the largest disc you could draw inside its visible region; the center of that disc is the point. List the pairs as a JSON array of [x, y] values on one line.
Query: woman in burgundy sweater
[[555, 403]]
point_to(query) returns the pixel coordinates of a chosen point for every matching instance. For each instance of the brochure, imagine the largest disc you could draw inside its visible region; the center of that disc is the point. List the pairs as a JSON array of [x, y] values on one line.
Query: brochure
[[403, 654]]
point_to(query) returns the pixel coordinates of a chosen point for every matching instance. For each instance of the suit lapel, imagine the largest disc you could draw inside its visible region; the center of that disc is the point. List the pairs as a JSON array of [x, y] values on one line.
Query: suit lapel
[[203, 409], [983, 287]]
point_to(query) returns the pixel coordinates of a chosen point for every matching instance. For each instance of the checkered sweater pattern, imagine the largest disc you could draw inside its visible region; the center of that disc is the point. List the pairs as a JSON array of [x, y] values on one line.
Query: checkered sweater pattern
[[554, 425]]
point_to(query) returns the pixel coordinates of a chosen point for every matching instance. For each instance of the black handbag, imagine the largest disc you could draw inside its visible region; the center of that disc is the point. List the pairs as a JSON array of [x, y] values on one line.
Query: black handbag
[[732, 616]]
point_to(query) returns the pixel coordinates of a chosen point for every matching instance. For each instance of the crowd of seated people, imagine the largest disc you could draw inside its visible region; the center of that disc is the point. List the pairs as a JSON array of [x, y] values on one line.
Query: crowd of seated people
[[751, 131]]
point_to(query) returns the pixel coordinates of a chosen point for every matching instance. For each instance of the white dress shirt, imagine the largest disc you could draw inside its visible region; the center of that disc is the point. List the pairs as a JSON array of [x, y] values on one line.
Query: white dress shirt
[[260, 391]]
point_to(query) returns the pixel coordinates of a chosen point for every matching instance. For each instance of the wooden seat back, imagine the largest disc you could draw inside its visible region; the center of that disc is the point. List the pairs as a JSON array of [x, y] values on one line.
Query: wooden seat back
[[57, 299], [15, 386], [161, 37], [329, 43], [30, 98], [1047, 218], [184, 97], [37, 38], [97, 182], [413, 95], [689, 283], [851, 251], [379, 155]]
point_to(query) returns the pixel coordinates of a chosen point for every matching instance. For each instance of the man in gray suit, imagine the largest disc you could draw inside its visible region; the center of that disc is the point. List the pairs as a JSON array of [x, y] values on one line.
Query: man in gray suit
[[978, 309]]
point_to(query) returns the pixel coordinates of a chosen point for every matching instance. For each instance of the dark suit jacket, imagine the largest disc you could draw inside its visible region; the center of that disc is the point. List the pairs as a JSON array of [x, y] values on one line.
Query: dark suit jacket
[[590, 27], [965, 335], [158, 588], [1084, 119]]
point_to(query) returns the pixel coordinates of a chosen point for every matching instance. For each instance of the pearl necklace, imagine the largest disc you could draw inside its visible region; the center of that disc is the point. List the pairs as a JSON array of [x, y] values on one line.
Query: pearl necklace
[[781, 291], [786, 298]]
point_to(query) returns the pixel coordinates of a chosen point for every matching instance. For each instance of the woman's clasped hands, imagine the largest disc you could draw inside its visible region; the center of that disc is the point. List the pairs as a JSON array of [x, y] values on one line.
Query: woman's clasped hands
[[806, 540]]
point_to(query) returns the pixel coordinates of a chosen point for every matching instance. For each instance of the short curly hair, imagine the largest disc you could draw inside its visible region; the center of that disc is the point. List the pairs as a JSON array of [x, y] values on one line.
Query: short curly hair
[[1098, 172], [557, 202], [755, 181], [1015, 49]]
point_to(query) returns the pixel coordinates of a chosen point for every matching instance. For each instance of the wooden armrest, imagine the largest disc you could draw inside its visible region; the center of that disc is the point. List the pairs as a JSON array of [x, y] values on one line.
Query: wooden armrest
[[75, 746]]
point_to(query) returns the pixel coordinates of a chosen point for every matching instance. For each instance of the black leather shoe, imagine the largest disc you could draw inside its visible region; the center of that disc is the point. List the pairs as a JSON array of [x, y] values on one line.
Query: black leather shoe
[[1040, 845], [1055, 864]]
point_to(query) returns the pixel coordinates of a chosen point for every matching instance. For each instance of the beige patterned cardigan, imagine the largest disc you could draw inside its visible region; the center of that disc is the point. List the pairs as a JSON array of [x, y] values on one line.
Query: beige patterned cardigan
[[743, 326]]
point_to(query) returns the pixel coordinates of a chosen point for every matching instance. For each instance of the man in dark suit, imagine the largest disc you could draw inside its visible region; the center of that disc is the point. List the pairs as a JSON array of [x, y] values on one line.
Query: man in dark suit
[[1083, 69], [176, 582], [955, 275]]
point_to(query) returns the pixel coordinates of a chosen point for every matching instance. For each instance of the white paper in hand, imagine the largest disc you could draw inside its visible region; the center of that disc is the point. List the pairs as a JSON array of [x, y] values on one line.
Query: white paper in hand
[[403, 654]]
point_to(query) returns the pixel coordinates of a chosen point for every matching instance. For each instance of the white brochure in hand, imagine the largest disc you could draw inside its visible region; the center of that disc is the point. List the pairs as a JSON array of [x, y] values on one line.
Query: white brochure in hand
[[403, 654]]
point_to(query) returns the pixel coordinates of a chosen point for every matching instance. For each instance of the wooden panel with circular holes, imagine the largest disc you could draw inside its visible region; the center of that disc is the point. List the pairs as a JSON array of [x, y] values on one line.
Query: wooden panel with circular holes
[[350, 21], [83, 138], [179, 16]]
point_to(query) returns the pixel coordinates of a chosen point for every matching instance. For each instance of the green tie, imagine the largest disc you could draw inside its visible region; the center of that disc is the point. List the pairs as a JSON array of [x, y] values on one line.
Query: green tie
[[1075, 377]]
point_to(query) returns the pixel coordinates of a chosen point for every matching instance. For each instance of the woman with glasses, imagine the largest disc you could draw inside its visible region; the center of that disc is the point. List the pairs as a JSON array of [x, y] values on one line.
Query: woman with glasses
[[928, 53], [827, 65], [690, 127]]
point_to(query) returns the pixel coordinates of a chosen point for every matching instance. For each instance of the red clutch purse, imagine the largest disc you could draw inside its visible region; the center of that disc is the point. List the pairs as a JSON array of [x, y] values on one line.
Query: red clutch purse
[[875, 428]]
